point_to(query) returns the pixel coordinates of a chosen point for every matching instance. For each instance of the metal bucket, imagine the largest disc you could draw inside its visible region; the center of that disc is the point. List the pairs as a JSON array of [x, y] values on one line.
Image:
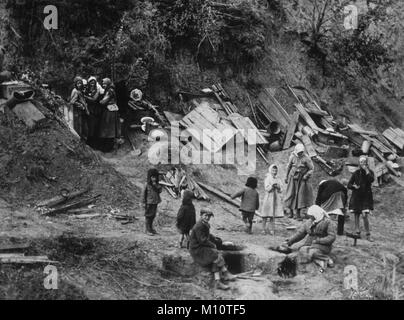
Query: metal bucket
[[275, 146], [274, 128]]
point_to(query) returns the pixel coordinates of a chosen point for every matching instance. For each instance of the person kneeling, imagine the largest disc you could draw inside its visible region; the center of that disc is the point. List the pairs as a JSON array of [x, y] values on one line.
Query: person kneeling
[[203, 250], [321, 234]]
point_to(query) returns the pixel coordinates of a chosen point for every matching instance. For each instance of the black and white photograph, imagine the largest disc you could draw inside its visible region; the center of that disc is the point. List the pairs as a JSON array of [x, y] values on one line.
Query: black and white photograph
[[212, 152]]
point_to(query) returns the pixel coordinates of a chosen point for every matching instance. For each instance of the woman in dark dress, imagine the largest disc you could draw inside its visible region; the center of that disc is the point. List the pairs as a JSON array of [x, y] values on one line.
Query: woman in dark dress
[[109, 124], [361, 202], [93, 97]]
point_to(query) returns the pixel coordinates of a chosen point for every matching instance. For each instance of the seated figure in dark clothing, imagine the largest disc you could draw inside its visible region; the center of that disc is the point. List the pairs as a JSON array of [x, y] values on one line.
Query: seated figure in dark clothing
[[203, 249]]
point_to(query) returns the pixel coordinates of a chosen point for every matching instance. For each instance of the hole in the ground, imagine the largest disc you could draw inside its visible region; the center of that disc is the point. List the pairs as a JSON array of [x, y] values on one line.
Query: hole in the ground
[[234, 262], [287, 268]]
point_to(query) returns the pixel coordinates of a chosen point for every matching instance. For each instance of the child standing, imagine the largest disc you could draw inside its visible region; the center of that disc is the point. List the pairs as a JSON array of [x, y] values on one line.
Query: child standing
[[272, 207], [361, 202], [249, 202], [186, 217], [151, 199]]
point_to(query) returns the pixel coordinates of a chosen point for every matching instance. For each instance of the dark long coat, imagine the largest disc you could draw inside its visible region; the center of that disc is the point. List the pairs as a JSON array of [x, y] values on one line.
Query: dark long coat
[[362, 198], [109, 125], [186, 218], [202, 245]]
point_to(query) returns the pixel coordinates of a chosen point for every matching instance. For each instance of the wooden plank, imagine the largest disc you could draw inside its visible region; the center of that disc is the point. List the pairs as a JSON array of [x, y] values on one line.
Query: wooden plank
[[309, 146], [62, 198], [372, 166], [14, 247], [399, 132], [394, 138], [291, 130], [222, 195], [28, 113], [10, 255], [357, 129], [380, 156], [272, 109], [207, 141], [271, 94], [246, 125], [173, 118], [200, 119], [26, 260], [306, 117]]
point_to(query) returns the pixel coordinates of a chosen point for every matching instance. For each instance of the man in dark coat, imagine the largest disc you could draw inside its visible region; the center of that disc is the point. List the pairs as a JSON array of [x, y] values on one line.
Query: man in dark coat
[[332, 196], [361, 202], [203, 249], [186, 216]]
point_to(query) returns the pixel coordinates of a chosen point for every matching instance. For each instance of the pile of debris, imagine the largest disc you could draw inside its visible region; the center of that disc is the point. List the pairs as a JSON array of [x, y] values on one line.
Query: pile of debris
[[281, 117], [67, 203], [176, 180]]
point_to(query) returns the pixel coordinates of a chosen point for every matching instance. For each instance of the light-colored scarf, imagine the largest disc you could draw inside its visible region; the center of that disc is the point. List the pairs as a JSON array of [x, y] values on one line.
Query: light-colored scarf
[[317, 212]]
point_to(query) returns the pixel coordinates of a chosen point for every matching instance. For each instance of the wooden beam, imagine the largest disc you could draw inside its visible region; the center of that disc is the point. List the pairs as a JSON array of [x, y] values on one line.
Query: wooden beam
[[26, 260], [273, 110], [291, 130], [62, 198], [306, 117], [222, 195]]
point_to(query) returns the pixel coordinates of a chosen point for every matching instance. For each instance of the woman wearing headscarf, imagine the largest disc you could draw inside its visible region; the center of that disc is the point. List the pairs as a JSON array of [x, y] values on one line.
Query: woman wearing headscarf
[[299, 193], [361, 202], [93, 97], [80, 110], [272, 206], [109, 124], [321, 234]]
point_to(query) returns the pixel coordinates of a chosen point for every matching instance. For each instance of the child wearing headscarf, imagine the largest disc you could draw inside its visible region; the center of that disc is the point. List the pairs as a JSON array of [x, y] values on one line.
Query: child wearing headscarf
[[249, 202], [272, 207], [299, 193]]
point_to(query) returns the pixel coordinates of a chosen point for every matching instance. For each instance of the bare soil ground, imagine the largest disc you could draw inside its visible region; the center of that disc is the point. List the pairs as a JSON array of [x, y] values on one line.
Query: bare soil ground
[[103, 259]]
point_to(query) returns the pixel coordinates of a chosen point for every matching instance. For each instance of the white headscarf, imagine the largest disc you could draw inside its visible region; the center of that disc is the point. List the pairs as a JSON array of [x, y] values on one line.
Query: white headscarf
[[100, 89], [317, 212], [363, 158], [299, 148]]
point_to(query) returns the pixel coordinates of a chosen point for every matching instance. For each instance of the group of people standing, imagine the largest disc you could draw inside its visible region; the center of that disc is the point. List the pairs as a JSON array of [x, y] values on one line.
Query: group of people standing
[[320, 230], [96, 117]]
